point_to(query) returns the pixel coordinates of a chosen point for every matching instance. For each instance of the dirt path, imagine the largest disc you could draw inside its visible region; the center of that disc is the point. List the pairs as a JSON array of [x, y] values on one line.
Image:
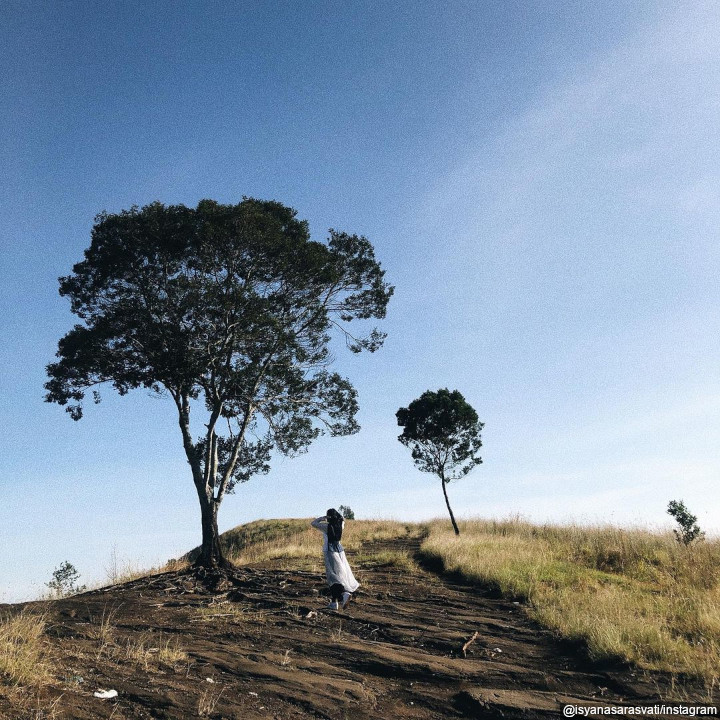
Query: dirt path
[[264, 646]]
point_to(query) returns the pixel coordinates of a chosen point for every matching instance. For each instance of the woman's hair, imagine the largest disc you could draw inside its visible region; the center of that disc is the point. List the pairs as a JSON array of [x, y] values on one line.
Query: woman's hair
[[335, 525]]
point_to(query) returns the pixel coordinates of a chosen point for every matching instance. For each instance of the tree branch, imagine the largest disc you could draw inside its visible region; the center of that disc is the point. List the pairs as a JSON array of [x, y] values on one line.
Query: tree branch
[[235, 453], [182, 403]]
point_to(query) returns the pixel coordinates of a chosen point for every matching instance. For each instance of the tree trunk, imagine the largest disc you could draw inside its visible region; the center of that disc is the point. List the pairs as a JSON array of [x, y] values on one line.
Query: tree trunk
[[447, 502], [211, 554]]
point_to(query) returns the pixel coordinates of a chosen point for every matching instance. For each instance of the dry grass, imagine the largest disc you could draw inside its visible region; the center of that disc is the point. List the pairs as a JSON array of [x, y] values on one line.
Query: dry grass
[[261, 540], [208, 701], [118, 573], [296, 540], [24, 661], [147, 649], [150, 650], [103, 628], [388, 558], [633, 594], [246, 543], [230, 612]]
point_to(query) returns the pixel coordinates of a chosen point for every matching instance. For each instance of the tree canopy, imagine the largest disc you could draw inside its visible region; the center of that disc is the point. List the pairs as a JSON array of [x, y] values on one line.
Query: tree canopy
[[443, 433], [226, 308]]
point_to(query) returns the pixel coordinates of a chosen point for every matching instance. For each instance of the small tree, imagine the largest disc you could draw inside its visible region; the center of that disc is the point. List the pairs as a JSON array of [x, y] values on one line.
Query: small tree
[[443, 432], [347, 512], [689, 530], [227, 309], [64, 581]]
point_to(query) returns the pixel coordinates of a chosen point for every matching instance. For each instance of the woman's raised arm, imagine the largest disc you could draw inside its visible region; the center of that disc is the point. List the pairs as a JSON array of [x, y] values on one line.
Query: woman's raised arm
[[320, 524]]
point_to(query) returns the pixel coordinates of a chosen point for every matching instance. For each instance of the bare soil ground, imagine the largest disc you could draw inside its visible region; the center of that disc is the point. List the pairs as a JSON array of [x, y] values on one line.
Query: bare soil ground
[[261, 644]]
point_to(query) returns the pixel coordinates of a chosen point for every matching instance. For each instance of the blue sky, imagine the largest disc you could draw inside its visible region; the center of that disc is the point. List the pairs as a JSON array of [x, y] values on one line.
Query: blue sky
[[540, 180]]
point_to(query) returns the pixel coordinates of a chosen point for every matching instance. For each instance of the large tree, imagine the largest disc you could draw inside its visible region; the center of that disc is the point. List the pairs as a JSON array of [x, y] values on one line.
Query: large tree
[[443, 432], [228, 309]]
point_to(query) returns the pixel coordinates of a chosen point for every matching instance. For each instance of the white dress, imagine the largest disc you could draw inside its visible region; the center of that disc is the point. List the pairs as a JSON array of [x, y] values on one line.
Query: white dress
[[336, 564]]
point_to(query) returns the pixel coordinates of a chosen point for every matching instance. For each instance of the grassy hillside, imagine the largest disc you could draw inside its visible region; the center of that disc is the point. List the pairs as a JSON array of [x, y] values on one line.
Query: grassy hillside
[[630, 594], [290, 539], [633, 595]]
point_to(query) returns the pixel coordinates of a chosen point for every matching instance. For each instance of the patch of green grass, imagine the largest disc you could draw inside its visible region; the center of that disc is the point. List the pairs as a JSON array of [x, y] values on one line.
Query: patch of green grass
[[245, 540]]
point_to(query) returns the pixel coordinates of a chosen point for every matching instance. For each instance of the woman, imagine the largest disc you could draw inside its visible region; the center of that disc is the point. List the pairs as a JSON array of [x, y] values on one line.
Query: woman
[[339, 575]]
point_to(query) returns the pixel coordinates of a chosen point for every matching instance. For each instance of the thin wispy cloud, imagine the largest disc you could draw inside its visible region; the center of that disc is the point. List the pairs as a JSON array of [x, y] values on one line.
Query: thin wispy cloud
[[540, 183], [582, 258]]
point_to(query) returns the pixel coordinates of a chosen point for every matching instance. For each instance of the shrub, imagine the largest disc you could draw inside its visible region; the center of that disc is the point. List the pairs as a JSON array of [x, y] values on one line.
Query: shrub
[[64, 581], [689, 529]]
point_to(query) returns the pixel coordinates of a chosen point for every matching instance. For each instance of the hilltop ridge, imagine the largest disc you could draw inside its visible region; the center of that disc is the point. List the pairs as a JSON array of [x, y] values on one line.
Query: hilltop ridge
[[260, 643]]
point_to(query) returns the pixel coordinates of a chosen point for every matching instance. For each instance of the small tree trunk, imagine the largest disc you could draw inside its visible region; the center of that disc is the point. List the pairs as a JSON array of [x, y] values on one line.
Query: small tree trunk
[[211, 554], [447, 502]]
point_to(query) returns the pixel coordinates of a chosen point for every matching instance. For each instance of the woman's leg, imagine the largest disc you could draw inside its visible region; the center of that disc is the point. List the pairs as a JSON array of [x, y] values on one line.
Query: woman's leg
[[336, 592]]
